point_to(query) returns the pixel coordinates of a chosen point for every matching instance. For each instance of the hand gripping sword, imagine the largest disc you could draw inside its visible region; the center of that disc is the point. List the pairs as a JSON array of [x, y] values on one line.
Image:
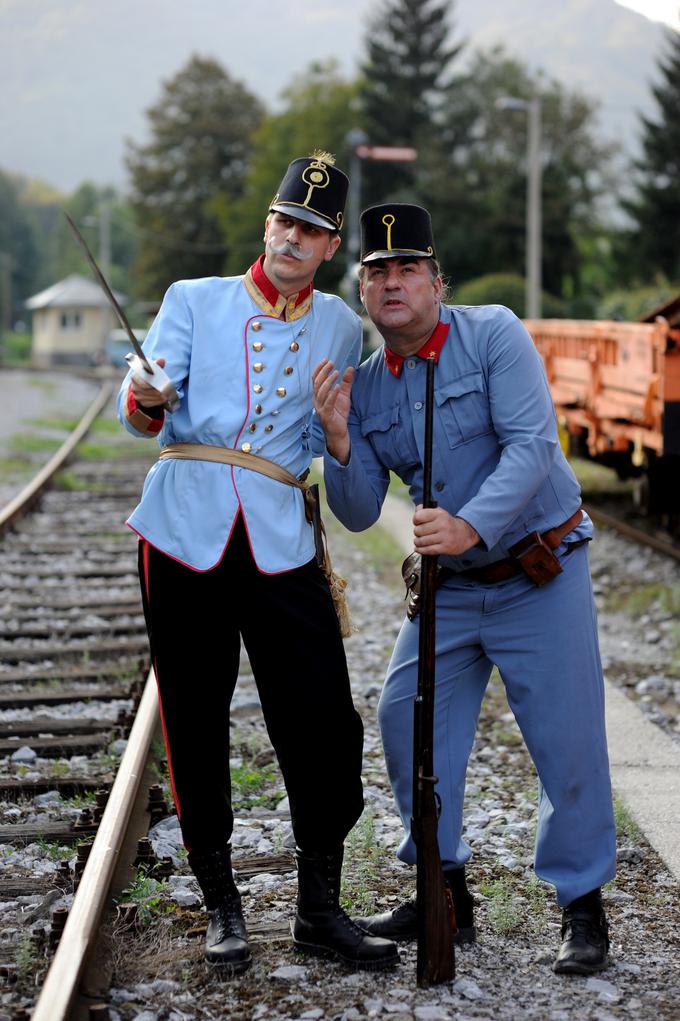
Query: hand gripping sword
[[141, 367]]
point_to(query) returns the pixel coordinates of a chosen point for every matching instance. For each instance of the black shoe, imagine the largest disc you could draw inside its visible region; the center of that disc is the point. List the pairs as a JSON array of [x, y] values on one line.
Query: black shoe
[[226, 943], [322, 928], [585, 937], [401, 923]]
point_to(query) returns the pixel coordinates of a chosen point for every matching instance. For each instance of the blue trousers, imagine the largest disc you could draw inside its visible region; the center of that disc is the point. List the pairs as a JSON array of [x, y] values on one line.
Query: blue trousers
[[544, 643]]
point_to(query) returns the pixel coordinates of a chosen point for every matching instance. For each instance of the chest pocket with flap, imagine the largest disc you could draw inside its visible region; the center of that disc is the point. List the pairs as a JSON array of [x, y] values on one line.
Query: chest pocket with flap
[[391, 436], [464, 407]]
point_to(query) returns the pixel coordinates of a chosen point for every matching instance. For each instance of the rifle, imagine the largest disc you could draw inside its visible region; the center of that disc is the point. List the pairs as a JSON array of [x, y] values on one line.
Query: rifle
[[436, 919]]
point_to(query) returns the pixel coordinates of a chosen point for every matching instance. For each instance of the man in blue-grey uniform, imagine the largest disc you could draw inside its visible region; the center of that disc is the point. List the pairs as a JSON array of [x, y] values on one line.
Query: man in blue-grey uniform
[[226, 553], [515, 590]]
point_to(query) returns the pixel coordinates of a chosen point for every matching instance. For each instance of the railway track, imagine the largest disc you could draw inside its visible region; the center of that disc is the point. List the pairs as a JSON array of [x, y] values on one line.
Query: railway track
[[77, 705], [73, 682]]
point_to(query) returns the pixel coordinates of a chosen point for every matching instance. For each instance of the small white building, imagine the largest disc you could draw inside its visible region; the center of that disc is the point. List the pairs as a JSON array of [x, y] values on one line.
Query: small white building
[[71, 321]]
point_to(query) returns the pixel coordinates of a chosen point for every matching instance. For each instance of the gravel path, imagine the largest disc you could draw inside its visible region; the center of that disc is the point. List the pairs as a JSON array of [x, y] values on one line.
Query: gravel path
[[159, 974], [506, 975]]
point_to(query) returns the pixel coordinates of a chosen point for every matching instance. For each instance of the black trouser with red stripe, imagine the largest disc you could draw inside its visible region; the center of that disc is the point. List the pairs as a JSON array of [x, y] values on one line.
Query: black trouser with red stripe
[[195, 622]]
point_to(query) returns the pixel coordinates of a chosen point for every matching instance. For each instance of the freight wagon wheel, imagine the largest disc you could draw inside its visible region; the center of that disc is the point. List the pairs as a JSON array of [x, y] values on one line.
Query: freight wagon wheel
[[655, 492]]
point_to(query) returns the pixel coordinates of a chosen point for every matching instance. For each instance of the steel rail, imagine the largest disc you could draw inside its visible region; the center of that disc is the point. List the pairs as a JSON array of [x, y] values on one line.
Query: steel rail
[[19, 504], [630, 532], [82, 925]]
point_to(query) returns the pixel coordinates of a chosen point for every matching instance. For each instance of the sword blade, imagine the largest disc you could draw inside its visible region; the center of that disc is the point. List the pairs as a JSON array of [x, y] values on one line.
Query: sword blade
[[122, 318]]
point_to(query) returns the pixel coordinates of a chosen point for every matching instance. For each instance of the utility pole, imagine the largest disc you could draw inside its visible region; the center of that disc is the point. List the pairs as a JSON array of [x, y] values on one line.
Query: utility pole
[[353, 139], [105, 238], [5, 294], [534, 229]]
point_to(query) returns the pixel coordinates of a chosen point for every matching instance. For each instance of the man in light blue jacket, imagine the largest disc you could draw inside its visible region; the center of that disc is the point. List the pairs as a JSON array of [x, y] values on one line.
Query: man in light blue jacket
[[226, 552], [511, 539]]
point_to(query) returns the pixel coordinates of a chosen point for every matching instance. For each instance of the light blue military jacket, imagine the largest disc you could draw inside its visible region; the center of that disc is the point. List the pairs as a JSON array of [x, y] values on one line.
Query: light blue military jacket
[[497, 461], [244, 379]]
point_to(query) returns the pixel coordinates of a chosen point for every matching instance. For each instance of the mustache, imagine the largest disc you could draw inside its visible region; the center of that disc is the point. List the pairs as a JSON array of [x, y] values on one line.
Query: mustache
[[289, 249]]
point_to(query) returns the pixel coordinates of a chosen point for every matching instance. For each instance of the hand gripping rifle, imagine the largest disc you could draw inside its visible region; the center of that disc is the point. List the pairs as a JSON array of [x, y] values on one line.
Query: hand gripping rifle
[[436, 919]]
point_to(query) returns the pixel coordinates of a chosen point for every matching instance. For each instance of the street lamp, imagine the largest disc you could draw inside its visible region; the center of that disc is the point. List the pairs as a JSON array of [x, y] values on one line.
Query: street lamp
[[533, 210], [353, 139]]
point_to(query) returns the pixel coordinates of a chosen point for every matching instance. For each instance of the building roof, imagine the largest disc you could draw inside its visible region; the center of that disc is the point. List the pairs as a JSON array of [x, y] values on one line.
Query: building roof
[[670, 310], [74, 290]]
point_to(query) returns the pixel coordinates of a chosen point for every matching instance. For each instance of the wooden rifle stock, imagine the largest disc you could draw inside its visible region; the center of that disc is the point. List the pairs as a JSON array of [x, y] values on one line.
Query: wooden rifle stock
[[436, 922]]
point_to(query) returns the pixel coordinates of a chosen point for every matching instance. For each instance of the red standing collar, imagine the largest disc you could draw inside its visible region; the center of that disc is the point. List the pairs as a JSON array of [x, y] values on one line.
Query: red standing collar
[[267, 288], [430, 349]]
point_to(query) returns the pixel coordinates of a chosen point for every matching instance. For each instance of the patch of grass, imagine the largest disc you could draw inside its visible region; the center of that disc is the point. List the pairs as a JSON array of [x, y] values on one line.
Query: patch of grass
[[15, 348], [504, 913], [85, 800], [71, 483], [539, 903], [25, 958], [146, 892], [626, 827], [15, 466], [25, 443], [46, 385], [597, 480], [361, 872], [249, 785], [66, 425], [55, 852], [399, 489], [106, 425]]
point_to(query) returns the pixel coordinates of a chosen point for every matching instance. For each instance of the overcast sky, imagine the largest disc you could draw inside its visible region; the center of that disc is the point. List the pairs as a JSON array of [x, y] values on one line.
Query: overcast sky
[[77, 76]]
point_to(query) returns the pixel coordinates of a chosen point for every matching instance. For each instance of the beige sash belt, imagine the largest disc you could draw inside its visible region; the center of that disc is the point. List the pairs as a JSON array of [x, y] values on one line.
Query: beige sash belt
[[227, 455]]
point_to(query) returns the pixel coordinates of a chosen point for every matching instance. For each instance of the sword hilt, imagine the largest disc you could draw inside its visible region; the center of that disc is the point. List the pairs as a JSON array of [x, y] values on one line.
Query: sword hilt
[[153, 375]]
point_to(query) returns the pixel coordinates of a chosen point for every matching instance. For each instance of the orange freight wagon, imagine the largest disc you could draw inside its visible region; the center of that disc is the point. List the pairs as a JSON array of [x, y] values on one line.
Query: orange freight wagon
[[616, 389]]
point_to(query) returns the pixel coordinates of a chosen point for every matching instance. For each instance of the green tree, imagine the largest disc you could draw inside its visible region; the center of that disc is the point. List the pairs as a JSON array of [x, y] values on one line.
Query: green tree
[[19, 251], [91, 207], [404, 83], [654, 242], [317, 114], [201, 130], [473, 177]]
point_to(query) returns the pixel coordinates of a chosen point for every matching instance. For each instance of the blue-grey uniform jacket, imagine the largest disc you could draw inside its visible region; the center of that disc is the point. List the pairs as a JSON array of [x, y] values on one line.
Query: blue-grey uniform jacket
[[497, 460], [244, 379]]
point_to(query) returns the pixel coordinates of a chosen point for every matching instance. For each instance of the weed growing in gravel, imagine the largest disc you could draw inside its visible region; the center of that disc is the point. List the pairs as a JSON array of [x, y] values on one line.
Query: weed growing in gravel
[[55, 852], [25, 958], [361, 873], [626, 827], [504, 913], [539, 903], [249, 783], [146, 892], [25, 443], [71, 483]]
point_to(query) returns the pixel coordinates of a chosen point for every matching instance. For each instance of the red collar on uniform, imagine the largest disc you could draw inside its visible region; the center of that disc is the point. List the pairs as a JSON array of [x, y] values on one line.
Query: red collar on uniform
[[430, 349], [267, 288]]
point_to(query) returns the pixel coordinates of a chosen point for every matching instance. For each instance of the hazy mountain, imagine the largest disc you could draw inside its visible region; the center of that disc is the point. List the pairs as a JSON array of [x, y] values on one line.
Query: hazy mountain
[[76, 76]]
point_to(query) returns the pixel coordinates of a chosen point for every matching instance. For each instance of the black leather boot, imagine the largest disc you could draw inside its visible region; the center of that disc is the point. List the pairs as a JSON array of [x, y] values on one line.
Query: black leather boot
[[225, 942], [585, 937], [402, 922], [321, 927]]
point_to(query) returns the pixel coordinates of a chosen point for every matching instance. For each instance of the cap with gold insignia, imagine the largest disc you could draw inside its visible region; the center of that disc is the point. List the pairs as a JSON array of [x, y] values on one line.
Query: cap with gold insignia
[[313, 189], [396, 230]]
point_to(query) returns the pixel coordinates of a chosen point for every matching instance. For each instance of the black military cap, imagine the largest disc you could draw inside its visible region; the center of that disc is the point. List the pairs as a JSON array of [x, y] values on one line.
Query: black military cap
[[313, 189], [396, 229]]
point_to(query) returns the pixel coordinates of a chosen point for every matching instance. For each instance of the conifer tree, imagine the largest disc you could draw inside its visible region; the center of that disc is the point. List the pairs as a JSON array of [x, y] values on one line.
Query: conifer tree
[[655, 241], [404, 80]]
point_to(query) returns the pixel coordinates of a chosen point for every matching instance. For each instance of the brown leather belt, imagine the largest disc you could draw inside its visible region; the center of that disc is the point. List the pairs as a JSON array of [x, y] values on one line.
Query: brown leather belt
[[501, 570]]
